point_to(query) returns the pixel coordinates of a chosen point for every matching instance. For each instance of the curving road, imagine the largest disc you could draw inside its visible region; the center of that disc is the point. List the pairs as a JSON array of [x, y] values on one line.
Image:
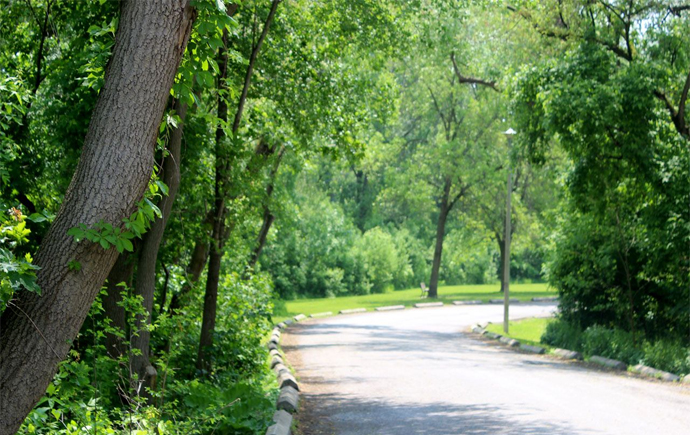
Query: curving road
[[416, 372]]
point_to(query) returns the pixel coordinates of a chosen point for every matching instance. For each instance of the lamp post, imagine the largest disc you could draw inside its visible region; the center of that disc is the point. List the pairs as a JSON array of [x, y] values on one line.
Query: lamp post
[[506, 239]]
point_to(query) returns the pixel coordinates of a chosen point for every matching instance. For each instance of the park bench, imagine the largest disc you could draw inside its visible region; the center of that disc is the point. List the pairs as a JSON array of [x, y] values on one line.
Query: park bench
[[425, 291]]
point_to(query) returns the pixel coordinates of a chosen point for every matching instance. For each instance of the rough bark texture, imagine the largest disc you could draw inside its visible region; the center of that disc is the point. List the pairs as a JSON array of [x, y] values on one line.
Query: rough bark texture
[[36, 332], [121, 272], [148, 255], [444, 209]]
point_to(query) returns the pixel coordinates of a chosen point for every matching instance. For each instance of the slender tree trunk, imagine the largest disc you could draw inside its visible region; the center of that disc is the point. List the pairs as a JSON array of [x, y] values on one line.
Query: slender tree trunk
[[121, 272], [208, 322], [36, 332], [194, 269], [148, 255], [268, 217], [444, 209], [220, 233], [502, 251]]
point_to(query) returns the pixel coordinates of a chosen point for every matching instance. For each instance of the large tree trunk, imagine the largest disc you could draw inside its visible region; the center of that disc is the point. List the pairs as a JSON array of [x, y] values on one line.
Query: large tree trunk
[[121, 272], [148, 255], [444, 209], [36, 332]]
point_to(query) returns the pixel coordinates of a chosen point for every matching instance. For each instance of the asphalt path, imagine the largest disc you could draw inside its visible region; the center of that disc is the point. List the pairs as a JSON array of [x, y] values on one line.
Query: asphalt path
[[419, 372]]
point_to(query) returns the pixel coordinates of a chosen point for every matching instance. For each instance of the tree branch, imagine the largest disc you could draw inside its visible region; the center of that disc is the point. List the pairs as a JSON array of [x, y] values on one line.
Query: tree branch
[[250, 67], [446, 125], [471, 80]]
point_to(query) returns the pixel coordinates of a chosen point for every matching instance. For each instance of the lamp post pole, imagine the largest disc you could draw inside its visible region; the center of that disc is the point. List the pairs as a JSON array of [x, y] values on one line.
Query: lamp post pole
[[506, 239]]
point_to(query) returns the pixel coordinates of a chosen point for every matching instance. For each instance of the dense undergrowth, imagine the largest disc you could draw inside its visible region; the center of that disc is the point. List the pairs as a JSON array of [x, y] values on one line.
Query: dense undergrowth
[[96, 392]]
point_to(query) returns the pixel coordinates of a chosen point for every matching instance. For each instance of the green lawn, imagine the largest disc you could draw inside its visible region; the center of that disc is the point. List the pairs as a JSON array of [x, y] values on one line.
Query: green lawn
[[409, 297], [528, 331]]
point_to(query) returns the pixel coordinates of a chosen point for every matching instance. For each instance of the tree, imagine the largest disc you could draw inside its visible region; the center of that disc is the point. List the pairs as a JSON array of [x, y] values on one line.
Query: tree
[[113, 173]]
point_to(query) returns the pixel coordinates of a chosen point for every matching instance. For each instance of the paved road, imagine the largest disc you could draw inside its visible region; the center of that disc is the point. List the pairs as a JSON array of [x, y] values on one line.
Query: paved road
[[415, 372]]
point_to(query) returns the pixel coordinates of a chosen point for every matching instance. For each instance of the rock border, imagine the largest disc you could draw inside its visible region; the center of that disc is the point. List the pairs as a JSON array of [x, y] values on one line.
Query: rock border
[[640, 369], [288, 398]]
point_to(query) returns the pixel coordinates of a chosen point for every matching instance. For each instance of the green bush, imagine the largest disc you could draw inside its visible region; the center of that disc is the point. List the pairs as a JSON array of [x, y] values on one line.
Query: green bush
[[611, 343], [668, 356], [560, 333]]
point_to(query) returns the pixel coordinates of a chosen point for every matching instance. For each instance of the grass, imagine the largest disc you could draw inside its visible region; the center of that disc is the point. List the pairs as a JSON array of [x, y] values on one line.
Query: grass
[[287, 309], [528, 331]]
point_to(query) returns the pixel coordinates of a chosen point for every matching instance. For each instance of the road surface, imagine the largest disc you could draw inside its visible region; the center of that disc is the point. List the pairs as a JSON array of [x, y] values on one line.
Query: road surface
[[417, 372]]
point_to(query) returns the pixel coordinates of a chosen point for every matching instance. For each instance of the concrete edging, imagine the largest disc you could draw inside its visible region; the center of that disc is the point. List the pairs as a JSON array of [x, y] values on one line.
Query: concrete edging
[[353, 311], [428, 304], [288, 398], [659, 374], [390, 308]]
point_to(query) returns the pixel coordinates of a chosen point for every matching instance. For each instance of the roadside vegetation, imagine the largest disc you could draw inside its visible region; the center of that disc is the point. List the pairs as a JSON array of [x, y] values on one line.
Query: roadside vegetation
[[167, 198]]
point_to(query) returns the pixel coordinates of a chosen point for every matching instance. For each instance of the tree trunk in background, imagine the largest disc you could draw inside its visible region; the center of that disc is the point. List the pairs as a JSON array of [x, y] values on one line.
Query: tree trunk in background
[[194, 269], [444, 209], [121, 272], [148, 254], [36, 332], [502, 251], [268, 217]]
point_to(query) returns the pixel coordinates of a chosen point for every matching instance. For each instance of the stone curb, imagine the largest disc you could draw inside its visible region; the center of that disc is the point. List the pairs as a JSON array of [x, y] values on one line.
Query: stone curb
[[353, 311], [533, 349], [567, 354], [500, 301], [324, 314], [390, 308], [283, 423], [467, 302], [546, 299], [288, 398], [429, 305], [610, 363], [509, 341], [659, 374]]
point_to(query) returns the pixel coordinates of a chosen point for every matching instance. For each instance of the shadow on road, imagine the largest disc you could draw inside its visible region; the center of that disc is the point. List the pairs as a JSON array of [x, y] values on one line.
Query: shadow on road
[[352, 416]]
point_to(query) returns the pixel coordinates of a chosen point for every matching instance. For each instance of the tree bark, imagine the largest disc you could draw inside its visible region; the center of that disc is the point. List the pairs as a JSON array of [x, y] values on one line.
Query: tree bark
[[36, 332], [121, 272], [444, 209], [148, 255]]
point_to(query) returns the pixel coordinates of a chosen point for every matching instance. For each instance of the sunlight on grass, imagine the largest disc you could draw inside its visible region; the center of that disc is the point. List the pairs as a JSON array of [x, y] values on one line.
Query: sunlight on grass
[[409, 297], [528, 331]]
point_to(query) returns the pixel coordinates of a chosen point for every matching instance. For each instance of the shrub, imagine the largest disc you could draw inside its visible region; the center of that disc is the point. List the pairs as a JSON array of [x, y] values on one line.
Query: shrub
[[611, 343], [560, 333], [668, 356]]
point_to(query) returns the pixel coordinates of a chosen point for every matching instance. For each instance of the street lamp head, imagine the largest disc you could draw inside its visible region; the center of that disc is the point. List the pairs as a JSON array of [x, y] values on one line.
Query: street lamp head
[[510, 132]]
